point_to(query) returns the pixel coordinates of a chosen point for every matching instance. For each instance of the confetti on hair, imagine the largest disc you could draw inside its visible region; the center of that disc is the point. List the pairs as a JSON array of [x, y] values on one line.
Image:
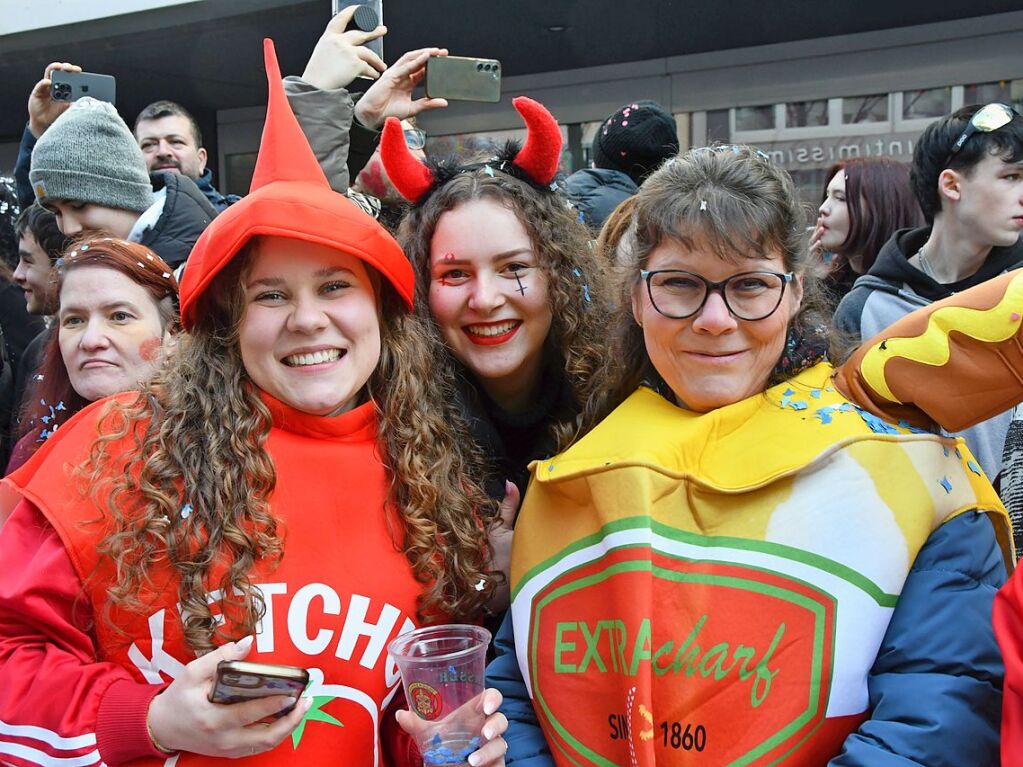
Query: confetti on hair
[[703, 205], [166, 275], [186, 511], [554, 186], [488, 170], [481, 585], [85, 248]]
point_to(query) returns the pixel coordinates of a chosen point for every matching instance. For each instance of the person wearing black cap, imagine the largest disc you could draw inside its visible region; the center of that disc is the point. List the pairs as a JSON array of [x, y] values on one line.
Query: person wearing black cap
[[629, 146]]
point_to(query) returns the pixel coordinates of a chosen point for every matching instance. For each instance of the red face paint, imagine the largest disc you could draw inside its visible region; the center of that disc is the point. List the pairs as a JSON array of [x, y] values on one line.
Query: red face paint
[[372, 179], [149, 350]]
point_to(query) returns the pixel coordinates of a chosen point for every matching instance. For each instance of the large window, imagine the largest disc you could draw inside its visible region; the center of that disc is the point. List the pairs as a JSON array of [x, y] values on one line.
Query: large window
[[754, 118], [1003, 91], [929, 103], [804, 114], [865, 109]]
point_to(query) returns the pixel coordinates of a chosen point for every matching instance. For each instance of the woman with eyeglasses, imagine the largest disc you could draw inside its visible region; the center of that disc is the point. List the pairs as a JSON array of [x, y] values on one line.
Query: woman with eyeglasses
[[742, 562]]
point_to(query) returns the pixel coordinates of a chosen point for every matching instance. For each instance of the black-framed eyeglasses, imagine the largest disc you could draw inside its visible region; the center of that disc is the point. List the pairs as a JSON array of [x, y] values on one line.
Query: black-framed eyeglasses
[[415, 138], [749, 296], [987, 119]]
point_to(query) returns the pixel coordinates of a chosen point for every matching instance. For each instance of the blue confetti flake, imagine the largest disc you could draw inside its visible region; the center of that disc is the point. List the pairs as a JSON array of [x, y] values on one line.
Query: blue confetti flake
[[958, 454], [945, 450], [798, 405], [946, 484], [846, 407], [816, 393], [824, 413], [972, 466], [586, 292], [551, 467], [488, 170], [876, 425], [829, 388], [186, 511], [786, 399], [788, 392]]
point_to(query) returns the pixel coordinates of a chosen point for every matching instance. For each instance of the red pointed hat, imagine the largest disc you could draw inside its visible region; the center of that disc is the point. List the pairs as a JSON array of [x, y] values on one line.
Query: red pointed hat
[[290, 197]]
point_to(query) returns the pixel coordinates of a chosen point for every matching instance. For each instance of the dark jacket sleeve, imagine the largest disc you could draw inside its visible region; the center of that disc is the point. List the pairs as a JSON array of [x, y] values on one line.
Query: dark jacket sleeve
[[850, 312], [936, 686], [21, 168], [527, 746]]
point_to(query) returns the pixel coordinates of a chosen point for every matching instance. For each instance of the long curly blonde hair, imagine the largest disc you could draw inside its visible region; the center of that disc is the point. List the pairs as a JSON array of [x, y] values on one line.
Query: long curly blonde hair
[[577, 281], [198, 436]]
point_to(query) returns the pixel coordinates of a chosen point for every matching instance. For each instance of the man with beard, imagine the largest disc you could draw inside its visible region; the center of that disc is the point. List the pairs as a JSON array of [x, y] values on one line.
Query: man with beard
[[171, 142]]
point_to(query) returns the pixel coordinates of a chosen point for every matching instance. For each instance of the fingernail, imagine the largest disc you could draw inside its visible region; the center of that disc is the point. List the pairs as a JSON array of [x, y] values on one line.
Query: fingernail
[[489, 707], [288, 703], [473, 760], [509, 486], [488, 733], [244, 644]]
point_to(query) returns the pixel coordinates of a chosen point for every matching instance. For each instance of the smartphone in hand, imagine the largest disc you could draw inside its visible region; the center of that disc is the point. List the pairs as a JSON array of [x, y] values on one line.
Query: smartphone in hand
[[239, 680], [368, 17], [71, 86], [457, 78]]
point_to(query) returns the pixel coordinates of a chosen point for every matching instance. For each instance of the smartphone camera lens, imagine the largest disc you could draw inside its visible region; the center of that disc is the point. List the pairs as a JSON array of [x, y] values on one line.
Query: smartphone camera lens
[[479, 67]]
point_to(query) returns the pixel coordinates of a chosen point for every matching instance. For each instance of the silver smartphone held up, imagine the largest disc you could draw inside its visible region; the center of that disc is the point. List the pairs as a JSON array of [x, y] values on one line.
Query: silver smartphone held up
[[457, 78], [71, 86], [368, 16]]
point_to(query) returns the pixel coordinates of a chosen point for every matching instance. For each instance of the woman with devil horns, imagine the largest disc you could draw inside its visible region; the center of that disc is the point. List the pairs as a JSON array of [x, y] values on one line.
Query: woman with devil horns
[[286, 491], [506, 280]]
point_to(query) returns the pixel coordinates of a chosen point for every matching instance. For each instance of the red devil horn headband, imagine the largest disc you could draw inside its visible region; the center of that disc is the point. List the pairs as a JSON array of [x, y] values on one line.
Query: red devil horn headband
[[538, 159]]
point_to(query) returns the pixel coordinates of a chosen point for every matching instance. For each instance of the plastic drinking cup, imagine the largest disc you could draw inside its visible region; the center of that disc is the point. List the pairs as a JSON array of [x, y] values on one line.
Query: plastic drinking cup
[[442, 670]]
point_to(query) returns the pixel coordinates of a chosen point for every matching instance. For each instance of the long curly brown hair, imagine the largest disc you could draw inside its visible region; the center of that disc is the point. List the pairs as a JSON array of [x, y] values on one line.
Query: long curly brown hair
[[577, 281], [198, 436]]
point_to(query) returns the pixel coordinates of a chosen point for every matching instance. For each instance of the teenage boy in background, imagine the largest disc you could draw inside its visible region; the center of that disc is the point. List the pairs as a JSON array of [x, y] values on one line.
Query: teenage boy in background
[[967, 174]]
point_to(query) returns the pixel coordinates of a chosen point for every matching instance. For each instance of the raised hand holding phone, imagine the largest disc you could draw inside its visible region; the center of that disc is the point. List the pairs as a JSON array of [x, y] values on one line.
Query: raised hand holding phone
[[182, 717], [42, 109], [341, 54], [391, 95]]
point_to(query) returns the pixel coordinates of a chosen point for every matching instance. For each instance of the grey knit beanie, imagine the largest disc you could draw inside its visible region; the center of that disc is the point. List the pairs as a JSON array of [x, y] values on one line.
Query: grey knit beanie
[[89, 155]]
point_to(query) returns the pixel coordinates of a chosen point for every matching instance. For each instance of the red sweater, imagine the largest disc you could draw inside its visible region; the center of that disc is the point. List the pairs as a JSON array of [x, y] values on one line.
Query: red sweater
[[340, 593]]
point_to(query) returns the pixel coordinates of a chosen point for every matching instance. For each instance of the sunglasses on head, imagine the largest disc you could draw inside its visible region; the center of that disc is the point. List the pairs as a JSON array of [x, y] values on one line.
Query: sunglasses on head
[[987, 119]]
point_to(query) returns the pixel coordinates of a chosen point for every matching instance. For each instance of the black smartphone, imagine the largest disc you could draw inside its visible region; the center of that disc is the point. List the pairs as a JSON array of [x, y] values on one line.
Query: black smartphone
[[71, 86], [239, 680], [368, 16], [457, 78]]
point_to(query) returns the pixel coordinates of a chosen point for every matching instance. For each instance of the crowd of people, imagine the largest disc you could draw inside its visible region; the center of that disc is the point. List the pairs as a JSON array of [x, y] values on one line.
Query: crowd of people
[[730, 485]]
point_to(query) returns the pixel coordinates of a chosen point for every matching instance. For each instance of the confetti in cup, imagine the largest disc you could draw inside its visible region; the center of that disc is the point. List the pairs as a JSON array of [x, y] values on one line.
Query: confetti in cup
[[442, 671]]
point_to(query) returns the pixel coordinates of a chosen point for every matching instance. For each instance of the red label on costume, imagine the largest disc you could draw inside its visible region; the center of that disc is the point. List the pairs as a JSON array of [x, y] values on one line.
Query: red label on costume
[[426, 700], [643, 658]]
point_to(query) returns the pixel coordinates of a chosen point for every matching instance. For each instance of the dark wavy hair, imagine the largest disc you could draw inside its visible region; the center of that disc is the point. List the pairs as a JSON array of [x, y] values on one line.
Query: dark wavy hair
[[931, 153], [880, 201]]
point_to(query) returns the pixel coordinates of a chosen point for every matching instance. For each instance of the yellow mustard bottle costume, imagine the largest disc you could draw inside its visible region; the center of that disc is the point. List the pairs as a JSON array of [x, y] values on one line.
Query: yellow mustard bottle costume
[[713, 588]]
